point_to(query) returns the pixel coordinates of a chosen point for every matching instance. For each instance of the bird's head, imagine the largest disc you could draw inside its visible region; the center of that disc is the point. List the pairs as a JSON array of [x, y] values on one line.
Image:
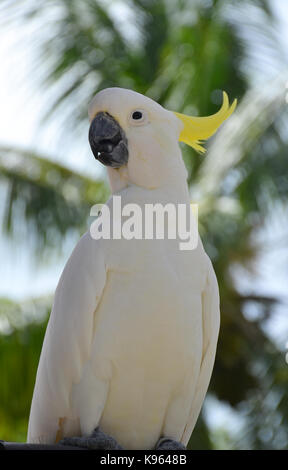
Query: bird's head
[[138, 139]]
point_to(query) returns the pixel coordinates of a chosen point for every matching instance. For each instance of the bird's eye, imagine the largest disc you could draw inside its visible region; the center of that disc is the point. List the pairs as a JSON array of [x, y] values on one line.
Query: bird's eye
[[136, 115]]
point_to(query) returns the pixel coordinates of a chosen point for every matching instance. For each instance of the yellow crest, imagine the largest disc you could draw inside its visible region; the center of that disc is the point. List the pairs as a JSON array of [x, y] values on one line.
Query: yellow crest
[[197, 129]]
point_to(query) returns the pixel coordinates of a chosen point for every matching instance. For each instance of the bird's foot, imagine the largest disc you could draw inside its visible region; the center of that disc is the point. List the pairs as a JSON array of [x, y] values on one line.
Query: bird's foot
[[97, 440], [169, 444]]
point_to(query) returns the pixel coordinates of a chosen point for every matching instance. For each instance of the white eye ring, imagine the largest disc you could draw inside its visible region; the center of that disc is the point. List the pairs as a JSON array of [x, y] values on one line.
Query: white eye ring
[[138, 117]]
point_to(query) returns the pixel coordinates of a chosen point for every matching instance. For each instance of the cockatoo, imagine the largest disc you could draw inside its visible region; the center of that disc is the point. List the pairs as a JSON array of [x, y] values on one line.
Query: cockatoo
[[131, 340]]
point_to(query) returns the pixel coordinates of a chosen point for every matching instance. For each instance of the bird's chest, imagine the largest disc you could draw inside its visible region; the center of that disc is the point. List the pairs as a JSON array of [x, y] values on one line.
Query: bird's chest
[[151, 310]]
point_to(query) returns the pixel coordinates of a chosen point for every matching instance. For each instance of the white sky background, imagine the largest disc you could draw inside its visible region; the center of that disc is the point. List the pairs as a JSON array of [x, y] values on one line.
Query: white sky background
[[22, 104], [21, 107]]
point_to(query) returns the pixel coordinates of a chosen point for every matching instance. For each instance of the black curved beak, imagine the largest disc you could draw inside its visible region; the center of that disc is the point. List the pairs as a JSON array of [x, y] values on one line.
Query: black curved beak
[[108, 141]]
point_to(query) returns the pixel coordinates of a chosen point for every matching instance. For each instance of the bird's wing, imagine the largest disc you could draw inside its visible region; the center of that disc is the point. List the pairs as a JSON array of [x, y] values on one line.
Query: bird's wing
[[68, 339], [211, 323]]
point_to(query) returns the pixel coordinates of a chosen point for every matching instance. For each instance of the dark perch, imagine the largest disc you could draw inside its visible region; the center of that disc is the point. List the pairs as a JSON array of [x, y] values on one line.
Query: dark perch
[[23, 446]]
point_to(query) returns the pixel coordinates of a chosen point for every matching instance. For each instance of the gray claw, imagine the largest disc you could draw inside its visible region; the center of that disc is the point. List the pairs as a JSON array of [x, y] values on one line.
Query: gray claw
[[97, 440], [169, 444]]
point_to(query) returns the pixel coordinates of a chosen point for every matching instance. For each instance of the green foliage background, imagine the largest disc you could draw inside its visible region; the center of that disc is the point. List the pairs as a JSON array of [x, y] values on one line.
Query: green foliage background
[[182, 54]]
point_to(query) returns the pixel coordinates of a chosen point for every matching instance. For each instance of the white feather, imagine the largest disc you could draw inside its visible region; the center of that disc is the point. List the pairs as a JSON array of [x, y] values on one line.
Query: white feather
[[131, 340]]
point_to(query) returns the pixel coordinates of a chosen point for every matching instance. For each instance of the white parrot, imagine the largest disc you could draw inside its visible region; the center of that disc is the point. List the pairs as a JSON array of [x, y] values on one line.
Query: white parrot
[[131, 340]]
